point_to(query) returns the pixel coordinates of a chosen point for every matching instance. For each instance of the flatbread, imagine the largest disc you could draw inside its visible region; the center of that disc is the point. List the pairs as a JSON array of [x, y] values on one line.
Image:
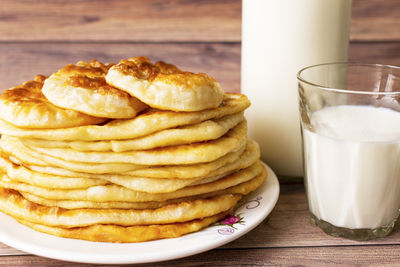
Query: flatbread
[[82, 87], [124, 153], [20, 154], [230, 161], [21, 174], [106, 193], [242, 189], [164, 86], [127, 234], [204, 131], [208, 151], [157, 185], [148, 122], [25, 106], [74, 204], [15, 205], [233, 161]]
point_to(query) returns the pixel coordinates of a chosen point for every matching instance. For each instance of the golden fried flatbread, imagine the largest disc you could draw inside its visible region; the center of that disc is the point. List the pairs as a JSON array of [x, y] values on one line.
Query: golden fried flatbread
[[156, 185], [231, 161], [145, 124], [21, 154], [74, 204], [243, 189], [124, 153], [25, 106], [164, 86], [127, 234], [82, 87], [208, 151], [29, 156], [204, 131], [15, 205], [105, 193], [140, 182], [21, 174]]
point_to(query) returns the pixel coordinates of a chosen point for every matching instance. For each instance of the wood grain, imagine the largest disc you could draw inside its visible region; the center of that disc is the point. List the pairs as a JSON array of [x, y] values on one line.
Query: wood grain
[[9, 251], [132, 20], [21, 61], [316, 256], [372, 52], [375, 20], [163, 20]]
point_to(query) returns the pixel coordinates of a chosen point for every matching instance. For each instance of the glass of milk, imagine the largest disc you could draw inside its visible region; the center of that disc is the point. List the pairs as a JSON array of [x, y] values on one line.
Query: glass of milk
[[278, 39], [350, 120]]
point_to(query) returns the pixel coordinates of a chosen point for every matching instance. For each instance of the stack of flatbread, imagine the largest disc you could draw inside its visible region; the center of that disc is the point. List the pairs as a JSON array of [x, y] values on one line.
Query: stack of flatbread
[[124, 153]]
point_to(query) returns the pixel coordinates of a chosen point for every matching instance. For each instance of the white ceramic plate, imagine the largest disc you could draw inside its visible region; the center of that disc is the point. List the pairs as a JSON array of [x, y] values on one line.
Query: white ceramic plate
[[254, 210]]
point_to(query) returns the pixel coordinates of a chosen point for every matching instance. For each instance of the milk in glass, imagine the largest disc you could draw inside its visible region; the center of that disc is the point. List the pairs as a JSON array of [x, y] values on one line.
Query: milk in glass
[[352, 156]]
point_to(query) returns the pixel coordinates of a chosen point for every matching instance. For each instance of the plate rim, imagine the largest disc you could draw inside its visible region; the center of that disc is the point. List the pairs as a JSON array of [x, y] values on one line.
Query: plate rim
[[19, 243]]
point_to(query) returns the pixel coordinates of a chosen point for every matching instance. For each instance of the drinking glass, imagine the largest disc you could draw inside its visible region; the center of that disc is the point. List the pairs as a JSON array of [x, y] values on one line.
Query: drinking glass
[[350, 124]]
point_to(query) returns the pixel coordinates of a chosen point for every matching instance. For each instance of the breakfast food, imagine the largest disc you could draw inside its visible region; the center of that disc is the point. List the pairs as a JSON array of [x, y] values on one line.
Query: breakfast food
[[183, 154], [173, 156], [112, 192], [25, 106], [127, 234], [150, 122], [206, 130], [164, 86], [82, 87]]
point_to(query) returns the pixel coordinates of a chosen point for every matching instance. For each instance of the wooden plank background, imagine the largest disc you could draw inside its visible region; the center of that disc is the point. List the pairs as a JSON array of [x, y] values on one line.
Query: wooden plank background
[[198, 35], [41, 36]]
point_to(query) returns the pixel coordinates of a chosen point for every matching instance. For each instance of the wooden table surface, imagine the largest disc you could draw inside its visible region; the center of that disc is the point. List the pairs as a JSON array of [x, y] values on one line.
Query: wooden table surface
[[42, 36], [286, 237]]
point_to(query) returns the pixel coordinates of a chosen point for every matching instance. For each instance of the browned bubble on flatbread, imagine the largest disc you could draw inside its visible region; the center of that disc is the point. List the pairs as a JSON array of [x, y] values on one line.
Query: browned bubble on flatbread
[[25, 106], [164, 86], [82, 87]]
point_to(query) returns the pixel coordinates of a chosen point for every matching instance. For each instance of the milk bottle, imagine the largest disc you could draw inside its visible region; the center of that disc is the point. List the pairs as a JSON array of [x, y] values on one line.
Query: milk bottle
[[278, 39]]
